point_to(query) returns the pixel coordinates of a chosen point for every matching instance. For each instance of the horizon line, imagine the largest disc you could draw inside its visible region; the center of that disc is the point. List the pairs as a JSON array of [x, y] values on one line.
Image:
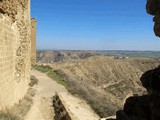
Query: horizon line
[[95, 50]]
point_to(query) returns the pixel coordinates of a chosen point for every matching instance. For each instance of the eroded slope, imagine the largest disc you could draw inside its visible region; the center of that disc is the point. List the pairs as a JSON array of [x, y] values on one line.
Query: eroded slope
[[105, 82]]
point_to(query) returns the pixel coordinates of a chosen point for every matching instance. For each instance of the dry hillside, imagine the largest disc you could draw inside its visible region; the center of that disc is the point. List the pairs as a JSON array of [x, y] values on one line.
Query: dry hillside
[[105, 82], [63, 55]]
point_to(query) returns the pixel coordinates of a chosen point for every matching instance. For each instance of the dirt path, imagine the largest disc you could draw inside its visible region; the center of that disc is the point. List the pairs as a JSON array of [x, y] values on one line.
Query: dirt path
[[42, 102]]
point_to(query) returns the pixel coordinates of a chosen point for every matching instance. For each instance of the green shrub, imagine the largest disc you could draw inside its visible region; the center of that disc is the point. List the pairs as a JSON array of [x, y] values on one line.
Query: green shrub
[[57, 77], [42, 68], [53, 74]]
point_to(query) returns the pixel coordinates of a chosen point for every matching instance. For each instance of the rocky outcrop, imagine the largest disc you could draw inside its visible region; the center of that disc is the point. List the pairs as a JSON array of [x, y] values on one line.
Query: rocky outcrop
[[153, 8], [144, 107]]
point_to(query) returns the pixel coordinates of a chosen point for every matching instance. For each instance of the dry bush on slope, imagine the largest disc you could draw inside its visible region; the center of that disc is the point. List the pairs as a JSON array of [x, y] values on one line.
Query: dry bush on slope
[[34, 81], [103, 82], [100, 104]]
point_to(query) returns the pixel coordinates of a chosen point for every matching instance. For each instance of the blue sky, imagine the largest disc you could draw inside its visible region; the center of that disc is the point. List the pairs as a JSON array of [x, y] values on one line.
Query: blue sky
[[94, 25]]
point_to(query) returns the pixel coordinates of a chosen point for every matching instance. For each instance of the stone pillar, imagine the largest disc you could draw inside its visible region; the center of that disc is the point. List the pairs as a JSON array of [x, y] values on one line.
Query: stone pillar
[[33, 40]]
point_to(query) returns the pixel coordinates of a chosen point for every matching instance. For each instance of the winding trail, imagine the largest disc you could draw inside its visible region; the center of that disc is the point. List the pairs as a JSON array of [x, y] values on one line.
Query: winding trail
[[42, 108], [42, 101]]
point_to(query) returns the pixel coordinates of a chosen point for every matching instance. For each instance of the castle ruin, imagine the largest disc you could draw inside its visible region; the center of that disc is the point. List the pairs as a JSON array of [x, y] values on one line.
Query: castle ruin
[[33, 40], [15, 51]]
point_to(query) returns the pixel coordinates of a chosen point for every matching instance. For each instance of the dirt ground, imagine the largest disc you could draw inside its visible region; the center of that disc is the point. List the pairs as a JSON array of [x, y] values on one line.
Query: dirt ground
[[42, 108], [42, 102]]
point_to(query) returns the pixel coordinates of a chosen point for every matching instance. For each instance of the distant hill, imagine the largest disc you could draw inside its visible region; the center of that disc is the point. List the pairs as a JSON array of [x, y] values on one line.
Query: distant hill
[[53, 56], [60, 56], [133, 54]]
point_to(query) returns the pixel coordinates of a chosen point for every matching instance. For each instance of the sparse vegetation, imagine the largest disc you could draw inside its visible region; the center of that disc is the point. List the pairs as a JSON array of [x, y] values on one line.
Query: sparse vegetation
[[7, 116], [99, 103], [33, 81], [42, 68], [102, 81], [54, 74], [57, 76], [19, 110]]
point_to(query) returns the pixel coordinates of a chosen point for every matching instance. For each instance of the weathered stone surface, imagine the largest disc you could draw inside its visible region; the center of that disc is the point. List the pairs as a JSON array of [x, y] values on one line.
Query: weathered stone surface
[[9, 7], [33, 40], [153, 8], [14, 51], [68, 107], [138, 107], [151, 80]]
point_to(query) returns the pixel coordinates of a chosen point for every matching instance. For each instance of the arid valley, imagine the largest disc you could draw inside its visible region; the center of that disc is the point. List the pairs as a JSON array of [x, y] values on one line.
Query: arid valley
[[79, 60], [103, 79]]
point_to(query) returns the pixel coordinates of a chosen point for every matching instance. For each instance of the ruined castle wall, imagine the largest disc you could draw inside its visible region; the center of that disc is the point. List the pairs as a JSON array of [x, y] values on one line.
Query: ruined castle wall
[[14, 51], [33, 40]]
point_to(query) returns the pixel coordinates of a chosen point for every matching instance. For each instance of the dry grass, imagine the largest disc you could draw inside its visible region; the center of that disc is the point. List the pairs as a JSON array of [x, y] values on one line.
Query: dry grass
[[102, 81], [7, 116], [100, 104], [42, 68], [20, 110], [34, 81], [56, 75], [24, 105]]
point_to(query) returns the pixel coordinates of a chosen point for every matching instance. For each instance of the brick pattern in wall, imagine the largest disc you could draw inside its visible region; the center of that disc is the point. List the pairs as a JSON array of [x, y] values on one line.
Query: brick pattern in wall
[[14, 51]]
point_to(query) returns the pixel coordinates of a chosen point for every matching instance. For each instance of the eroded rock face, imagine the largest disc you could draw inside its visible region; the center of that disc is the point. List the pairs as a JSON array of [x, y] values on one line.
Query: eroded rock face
[[153, 86], [153, 8], [135, 108], [144, 107], [151, 80]]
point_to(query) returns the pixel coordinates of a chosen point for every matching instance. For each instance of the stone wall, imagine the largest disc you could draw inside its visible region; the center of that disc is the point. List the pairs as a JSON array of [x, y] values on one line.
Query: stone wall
[[14, 51], [68, 107], [60, 111], [33, 40]]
